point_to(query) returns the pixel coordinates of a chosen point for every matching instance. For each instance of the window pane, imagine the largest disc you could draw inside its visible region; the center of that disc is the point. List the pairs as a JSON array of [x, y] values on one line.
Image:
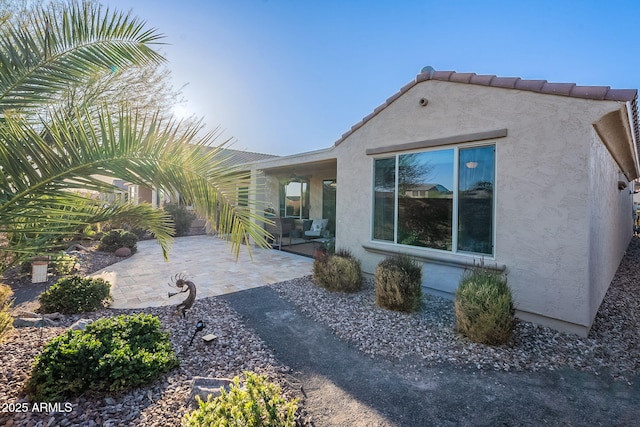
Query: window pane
[[294, 199], [425, 199], [329, 204], [475, 200], [384, 198]]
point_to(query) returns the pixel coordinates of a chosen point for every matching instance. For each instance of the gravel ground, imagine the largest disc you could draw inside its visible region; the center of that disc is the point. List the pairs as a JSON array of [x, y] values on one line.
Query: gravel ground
[[612, 348], [162, 403]]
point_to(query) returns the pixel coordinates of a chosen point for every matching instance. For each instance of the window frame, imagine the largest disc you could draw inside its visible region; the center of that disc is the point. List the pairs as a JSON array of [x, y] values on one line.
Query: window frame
[[455, 217]]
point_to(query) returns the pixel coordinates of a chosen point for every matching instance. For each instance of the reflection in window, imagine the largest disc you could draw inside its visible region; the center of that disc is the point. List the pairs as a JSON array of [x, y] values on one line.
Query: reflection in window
[[475, 200], [425, 199], [294, 199], [384, 199], [329, 204], [416, 207], [243, 196]]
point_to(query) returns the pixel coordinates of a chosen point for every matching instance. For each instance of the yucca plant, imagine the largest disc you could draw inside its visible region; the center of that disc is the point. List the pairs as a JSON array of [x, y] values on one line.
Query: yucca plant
[[484, 307], [48, 149]]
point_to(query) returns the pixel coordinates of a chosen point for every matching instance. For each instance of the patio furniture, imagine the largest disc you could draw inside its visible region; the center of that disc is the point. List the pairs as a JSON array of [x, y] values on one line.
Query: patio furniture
[[317, 227], [281, 227]]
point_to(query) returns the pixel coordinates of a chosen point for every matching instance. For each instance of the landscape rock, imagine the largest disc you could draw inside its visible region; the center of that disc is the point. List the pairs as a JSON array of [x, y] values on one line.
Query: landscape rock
[[32, 322], [122, 252], [204, 387], [80, 325]]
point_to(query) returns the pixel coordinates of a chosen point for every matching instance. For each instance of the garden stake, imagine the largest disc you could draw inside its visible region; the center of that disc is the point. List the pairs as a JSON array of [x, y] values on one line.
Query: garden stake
[[199, 327]]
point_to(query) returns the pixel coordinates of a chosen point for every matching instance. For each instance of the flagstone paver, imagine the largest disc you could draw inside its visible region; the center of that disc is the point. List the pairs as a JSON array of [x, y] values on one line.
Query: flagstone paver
[[143, 279]]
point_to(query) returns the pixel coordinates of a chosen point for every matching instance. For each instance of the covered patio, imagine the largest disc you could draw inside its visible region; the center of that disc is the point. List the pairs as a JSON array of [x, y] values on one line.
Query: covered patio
[[300, 192]]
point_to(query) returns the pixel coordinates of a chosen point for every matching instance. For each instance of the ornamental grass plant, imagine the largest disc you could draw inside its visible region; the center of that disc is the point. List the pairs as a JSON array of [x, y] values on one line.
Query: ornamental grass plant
[[484, 307], [398, 284], [338, 272]]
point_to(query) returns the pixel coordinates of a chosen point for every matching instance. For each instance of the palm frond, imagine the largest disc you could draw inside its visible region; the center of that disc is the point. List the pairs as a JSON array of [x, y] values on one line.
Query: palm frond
[[41, 57], [138, 149]]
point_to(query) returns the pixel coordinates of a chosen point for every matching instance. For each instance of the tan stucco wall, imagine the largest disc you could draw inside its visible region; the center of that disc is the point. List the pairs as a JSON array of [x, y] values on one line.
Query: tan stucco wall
[[610, 218], [548, 192]]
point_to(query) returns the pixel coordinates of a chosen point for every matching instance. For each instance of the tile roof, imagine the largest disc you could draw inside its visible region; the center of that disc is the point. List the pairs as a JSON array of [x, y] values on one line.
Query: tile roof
[[541, 86]]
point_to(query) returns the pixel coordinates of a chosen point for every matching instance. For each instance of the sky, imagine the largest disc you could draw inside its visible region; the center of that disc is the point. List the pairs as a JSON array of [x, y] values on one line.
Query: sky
[[290, 76]]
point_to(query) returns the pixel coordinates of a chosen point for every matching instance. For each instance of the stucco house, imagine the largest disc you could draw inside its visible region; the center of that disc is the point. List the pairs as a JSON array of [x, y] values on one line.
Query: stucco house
[[533, 178]]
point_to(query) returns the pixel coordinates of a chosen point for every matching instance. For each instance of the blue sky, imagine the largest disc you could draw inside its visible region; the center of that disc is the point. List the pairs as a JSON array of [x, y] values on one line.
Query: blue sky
[[289, 76]]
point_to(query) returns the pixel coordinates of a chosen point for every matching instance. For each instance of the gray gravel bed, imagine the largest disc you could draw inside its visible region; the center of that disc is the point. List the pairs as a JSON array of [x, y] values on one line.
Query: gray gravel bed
[[161, 403], [612, 347]]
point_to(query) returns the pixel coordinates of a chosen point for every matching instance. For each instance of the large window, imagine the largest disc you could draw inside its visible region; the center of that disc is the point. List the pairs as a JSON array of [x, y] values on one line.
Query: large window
[[441, 199]]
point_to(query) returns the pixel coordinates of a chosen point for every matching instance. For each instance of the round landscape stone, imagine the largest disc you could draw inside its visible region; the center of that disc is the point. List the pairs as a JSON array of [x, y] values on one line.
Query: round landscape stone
[[123, 252]]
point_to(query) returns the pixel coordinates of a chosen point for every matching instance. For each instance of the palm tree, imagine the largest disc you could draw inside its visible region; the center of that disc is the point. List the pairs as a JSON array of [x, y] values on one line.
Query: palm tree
[[47, 150]]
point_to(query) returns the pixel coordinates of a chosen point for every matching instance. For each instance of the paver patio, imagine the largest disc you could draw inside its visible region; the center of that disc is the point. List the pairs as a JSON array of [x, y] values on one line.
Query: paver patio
[[143, 279]]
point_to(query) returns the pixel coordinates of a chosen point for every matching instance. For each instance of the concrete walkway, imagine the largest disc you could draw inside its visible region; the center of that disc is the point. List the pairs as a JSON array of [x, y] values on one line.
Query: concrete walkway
[[143, 279]]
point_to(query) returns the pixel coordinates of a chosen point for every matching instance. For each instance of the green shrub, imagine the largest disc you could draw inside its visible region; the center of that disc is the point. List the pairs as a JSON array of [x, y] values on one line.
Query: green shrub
[[111, 354], [63, 264], [6, 321], [118, 238], [484, 307], [75, 294], [398, 282], [338, 272], [256, 403], [182, 218]]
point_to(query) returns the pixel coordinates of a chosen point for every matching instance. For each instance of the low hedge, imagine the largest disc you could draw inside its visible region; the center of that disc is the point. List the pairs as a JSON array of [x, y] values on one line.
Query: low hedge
[[75, 294], [111, 354]]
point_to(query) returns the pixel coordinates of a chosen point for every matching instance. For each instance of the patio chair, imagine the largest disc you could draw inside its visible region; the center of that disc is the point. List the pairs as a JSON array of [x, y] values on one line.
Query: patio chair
[[317, 227], [280, 228]]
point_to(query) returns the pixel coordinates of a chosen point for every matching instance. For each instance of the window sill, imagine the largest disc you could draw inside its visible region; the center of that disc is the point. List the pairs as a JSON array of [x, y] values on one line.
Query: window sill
[[431, 256]]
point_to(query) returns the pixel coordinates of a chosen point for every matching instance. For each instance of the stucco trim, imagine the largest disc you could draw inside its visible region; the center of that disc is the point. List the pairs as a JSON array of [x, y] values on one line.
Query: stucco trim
[[617, 136], [449, 140], [452, 260]]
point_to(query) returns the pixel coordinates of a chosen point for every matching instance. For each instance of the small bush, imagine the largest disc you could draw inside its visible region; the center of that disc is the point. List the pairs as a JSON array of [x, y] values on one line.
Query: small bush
[[118, 238], [111, 354], [182, 218], [338, 272], [484, 307], [256, 403], [6, 321], [398, 282], [63, 264], [75, 294]]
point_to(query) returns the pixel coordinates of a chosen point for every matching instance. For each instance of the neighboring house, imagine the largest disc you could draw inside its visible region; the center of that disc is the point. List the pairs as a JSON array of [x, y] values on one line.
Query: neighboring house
[[508, 159]]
